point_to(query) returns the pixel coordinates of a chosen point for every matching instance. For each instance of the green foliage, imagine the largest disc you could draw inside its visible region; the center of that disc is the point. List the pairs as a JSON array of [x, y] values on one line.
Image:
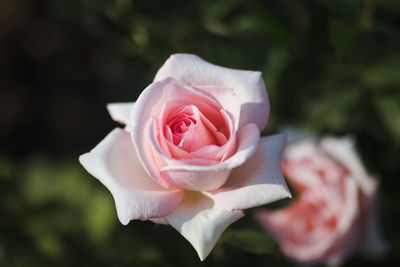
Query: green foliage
[[330, 67], [250, 240]]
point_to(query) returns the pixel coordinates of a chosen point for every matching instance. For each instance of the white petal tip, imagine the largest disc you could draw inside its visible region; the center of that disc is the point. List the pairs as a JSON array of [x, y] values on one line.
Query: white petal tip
[[120, 112], [122, 216], [84, 158], [201, 222], [123, 221]]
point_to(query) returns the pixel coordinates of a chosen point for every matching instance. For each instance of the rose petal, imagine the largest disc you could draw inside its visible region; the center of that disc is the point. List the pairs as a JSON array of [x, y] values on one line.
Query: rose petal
[[344, 152], [298, 150], [247, 85], [159, 221], [120, 112], [151, 103], [258, 181], [373, 244], [201, 222], [347, 234], [227, 98], [205, 178], [219, 152], [113, 161], [198, 135], [317, 241], [307, 166], [141, 113]]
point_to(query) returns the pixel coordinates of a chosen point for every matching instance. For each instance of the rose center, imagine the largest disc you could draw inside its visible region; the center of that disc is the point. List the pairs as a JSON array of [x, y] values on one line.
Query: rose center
[[188, 128], [180, 125]]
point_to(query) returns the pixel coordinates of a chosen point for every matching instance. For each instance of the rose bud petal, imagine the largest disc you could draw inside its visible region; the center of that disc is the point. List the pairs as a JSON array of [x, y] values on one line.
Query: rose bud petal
[[334, 212], [191, 155]]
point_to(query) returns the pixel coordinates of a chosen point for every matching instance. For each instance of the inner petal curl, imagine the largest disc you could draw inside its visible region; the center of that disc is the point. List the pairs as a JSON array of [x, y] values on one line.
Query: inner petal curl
[[192, 124], [189, 129]]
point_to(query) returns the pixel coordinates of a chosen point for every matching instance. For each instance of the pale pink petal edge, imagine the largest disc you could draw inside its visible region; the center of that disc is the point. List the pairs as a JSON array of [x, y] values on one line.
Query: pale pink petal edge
[[201, 222], [258, 181], [247, 85], [145, 202], [120, 112]]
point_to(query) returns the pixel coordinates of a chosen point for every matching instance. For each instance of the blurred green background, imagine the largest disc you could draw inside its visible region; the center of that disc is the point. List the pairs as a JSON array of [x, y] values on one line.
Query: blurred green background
[[330, 66]]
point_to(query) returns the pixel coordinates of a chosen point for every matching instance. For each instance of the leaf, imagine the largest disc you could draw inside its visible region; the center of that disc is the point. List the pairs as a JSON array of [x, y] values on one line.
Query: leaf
[[389, 109], [382, 74], [253, 241], [342, 36]]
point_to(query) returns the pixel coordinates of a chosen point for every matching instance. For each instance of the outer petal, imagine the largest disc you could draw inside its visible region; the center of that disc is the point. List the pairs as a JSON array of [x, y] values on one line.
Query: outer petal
[[348, 230], [211, 177], [159, 221], [141, 113], [298, 150], [257, 182], [301, 162], [120, 112], [373, 244], [201, 222], [248, 85], [113, 161], [344, 152]]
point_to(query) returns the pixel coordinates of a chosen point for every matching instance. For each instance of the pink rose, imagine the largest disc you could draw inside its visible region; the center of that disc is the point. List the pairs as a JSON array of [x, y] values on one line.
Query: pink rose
[[191, 155], [333, 214]]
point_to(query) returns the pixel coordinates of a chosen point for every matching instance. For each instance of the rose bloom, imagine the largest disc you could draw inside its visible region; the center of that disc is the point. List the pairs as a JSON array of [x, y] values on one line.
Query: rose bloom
[[333, 213], [191, 155]]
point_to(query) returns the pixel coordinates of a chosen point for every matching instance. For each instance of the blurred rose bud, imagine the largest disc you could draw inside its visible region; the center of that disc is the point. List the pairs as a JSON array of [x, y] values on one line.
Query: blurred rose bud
[[333, 214]]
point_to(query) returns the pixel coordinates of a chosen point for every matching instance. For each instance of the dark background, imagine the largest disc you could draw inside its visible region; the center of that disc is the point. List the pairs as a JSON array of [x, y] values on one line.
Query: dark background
[[330, 66]]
